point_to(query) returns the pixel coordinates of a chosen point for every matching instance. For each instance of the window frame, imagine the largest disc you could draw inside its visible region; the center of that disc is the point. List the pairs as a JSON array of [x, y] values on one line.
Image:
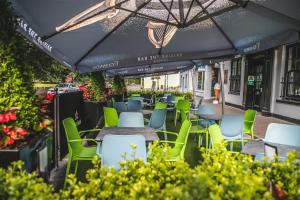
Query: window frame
[[203, 80], [286, 79], [235, 77]]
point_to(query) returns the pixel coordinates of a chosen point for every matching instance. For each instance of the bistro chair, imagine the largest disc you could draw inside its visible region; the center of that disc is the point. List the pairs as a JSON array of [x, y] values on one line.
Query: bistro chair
[[232, 129], [177, 152], [215, 134], [110, 117], [77, 151], [249, 118], [135, 95], [131, 119], [285, 134], [160, 105], [158, 120], [134, 105], [122, 147], [182, 105], [120, 107]]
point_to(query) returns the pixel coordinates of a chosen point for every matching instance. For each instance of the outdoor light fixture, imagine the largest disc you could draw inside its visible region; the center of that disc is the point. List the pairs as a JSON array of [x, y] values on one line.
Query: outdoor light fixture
[[164, 17], [90, 16]]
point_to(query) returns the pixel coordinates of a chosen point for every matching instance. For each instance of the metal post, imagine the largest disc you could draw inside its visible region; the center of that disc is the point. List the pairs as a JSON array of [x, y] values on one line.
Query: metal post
[[56, 129], [222, 86]]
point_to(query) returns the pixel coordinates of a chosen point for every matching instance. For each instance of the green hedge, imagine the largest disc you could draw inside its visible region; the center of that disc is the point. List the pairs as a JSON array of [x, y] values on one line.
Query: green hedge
[[220, 175], [148, 93]]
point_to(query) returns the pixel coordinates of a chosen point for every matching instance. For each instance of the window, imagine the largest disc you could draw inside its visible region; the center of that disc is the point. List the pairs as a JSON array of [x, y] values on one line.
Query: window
[[186, 81], [292, 74], [201, 76], [235, 76]]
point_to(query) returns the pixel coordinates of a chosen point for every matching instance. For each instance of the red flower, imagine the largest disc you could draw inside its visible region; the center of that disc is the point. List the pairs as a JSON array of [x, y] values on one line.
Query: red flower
[[10, 141], [22, 132], [279, 192], [13, 134], [10, 116], [50, 97], [3, 118], [5, 130], [43, 125]]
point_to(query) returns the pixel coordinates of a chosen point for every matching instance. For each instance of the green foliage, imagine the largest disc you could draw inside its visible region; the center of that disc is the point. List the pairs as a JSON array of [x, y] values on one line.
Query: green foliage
[[15, 183], [98, 85], [220, 175], [119, 86], [16, 88], [160, 93]]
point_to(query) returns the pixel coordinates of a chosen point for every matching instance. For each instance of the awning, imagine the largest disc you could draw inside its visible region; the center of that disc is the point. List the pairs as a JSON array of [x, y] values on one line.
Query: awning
[[95, 35]]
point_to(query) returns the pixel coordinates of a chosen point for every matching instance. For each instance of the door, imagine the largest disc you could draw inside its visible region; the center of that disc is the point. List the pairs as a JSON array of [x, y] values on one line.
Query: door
[[259, 82]]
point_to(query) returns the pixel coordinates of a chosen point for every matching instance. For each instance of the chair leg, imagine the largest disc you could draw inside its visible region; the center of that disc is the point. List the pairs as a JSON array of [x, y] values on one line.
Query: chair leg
[[76, 167], [199, 140], [231, 145], [166, 136], [67, 172], [175, 118], [206, 140]]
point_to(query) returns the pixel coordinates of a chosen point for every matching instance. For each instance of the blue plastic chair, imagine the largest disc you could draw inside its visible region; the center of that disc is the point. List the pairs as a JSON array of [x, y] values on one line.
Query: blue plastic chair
[[134, 105], [158, 120], [120, 107], [131, 119], [232, 128], [206, 110], [285, 134], [122, 147]]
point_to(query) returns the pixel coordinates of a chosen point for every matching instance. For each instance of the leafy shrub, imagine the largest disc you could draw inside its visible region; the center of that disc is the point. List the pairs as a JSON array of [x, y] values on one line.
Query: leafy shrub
[[148, 93], [15, 183], [220, 175]]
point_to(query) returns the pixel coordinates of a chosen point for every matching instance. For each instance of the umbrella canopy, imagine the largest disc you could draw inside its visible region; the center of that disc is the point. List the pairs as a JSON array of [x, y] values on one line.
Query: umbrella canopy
[[93, 35]]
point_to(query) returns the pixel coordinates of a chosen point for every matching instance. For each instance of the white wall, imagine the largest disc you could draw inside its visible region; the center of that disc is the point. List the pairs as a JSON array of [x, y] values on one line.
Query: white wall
[[288, 110], [233, 98], [187, 81]]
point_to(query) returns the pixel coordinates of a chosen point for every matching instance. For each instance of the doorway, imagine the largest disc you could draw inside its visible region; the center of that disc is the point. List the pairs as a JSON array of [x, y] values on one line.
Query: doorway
[[258, 81]]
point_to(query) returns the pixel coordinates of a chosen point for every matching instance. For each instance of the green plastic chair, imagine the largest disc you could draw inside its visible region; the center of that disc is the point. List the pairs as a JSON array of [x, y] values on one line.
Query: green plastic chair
[[160, 105], [215, 135], [75, 145], [182, 105], [111, 118], [177, 152], [249, 119], [135, 95]]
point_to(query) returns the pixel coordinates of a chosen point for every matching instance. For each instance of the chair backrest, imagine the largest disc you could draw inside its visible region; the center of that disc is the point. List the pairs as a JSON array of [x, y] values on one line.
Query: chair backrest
[[135, 95], [206, 110], [167, 94], [182, 137], [249, 117], [134, 105], [158, 118], [131, 119], [110, 117], [160, 105], [72, 134], [122, 147], [171, 98], [136, 98], [183, 116], [285, 134], [215, 135], [120, 106], [232, 125]]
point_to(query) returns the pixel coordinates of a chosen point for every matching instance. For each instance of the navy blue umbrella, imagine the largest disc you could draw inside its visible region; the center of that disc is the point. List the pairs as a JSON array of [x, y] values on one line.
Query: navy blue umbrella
[[94, 35]]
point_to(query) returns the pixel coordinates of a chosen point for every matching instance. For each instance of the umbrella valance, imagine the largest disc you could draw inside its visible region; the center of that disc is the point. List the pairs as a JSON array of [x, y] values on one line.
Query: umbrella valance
[[95, 35], [161, 68]]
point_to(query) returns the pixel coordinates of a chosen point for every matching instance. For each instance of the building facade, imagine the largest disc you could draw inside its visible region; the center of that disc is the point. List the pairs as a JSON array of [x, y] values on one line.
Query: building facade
[[268, 82]]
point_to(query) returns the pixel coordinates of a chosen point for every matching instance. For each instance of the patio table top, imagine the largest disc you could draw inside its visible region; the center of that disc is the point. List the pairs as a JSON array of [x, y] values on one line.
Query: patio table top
[[257, 147], [148, 132]]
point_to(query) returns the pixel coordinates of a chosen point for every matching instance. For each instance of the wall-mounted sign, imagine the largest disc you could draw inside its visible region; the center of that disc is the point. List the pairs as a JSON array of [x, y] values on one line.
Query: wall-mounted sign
[[251, 80]]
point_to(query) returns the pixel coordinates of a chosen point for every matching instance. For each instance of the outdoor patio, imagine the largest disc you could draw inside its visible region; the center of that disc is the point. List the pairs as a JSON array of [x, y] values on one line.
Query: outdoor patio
[[226, 126]]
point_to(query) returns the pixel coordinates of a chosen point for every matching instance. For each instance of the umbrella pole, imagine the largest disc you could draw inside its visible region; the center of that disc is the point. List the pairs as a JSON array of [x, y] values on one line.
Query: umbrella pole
[[193, 84], [222, 85]]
